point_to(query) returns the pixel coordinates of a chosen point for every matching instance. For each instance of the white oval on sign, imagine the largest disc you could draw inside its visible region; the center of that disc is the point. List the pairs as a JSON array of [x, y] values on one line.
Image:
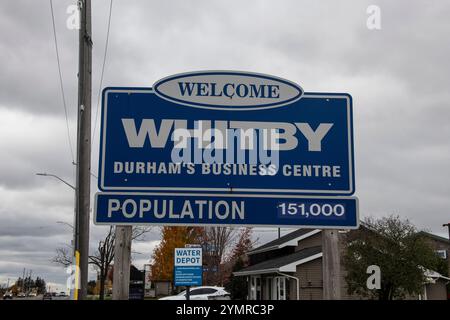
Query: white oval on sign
[[228, 90]]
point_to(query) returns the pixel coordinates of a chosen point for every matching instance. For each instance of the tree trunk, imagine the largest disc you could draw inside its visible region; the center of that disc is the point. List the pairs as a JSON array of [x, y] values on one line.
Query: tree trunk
[[385, 293], [102, 284], [391, 293]]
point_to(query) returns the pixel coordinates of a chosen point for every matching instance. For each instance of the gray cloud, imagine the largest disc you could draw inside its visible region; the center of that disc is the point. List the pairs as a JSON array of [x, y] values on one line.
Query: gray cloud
[[398, 77]]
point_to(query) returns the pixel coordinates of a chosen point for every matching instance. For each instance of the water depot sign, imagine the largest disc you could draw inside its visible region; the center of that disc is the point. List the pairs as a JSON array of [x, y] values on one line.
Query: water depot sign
[[226, 147], [188, 268]]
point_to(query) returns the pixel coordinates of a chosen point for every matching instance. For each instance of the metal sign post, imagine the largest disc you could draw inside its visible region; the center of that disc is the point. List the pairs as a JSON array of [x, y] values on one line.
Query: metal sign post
[[188, 293]]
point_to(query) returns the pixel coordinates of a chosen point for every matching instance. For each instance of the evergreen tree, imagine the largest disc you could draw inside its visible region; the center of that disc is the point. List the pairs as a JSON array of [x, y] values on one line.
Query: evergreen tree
[[237, 286]]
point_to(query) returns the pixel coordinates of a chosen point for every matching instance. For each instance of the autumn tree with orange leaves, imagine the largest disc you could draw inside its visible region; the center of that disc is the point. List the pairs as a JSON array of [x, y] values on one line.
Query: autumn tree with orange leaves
[[163, 255]]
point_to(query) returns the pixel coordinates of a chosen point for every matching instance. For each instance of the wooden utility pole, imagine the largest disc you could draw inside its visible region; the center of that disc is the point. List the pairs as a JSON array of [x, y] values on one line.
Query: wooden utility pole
[[448, 226], [331, 266], [23, 280], [83, 174], [122, 263]]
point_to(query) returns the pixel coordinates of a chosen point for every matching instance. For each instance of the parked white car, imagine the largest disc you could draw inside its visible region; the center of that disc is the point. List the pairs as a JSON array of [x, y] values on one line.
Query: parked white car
[[202, 293], [8, 295]]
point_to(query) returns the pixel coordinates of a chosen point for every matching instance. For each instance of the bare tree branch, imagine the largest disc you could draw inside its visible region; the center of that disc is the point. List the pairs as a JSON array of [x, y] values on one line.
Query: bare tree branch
[[62, 257], [138, 233], [104, 255]]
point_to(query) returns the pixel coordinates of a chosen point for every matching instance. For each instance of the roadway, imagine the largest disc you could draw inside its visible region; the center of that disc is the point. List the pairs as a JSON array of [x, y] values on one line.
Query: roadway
[[39, 297]]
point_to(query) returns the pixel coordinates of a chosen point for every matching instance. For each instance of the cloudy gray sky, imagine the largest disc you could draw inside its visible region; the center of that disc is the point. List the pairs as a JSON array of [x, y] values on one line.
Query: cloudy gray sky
[[398, 77]]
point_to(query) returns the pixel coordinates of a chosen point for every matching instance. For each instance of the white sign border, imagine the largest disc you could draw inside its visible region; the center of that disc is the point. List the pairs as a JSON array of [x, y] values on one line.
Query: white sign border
[[350, 191], [228, 195]]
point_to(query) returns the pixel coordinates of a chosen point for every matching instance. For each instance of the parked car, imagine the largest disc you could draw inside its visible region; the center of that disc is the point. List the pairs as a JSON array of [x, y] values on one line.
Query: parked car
[[47, 296], [8, 296], [61, 294], [202, 293], [21, 295], [32, 294]]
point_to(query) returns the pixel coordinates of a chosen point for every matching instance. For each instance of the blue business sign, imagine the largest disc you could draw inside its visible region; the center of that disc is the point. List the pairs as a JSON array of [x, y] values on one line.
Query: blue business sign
[[188, 268], [223, 131], [227, 209], [226, 148]]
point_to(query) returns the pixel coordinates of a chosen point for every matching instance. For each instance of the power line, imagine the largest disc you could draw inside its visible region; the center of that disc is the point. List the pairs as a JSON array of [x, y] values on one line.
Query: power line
[[61, 82], [103, 70]]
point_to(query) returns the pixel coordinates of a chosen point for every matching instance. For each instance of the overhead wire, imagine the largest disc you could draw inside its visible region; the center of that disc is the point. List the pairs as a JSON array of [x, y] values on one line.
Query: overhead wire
[[61, 82], [103, 70]]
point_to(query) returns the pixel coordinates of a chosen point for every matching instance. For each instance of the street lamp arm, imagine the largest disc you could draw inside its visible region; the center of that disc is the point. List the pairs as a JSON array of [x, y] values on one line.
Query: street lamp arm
[[65, 223], [55, 176]]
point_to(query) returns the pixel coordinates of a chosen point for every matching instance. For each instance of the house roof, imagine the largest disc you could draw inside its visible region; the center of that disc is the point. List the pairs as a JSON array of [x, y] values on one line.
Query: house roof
[[289, 239], [435, 237], [287, 263]]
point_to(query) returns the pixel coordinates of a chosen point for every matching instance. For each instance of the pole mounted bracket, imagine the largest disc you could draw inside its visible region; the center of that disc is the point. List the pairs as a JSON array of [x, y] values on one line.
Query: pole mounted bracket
[[88, 39]]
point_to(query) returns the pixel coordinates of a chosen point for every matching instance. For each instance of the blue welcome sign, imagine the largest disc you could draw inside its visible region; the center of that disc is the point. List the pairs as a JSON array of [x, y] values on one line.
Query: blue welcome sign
[[226, 132], [231, 134]]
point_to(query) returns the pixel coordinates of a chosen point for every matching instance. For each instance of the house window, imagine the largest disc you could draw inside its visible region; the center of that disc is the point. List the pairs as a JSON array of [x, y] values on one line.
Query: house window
[[279, 288], [255, 288], [442, 254]]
